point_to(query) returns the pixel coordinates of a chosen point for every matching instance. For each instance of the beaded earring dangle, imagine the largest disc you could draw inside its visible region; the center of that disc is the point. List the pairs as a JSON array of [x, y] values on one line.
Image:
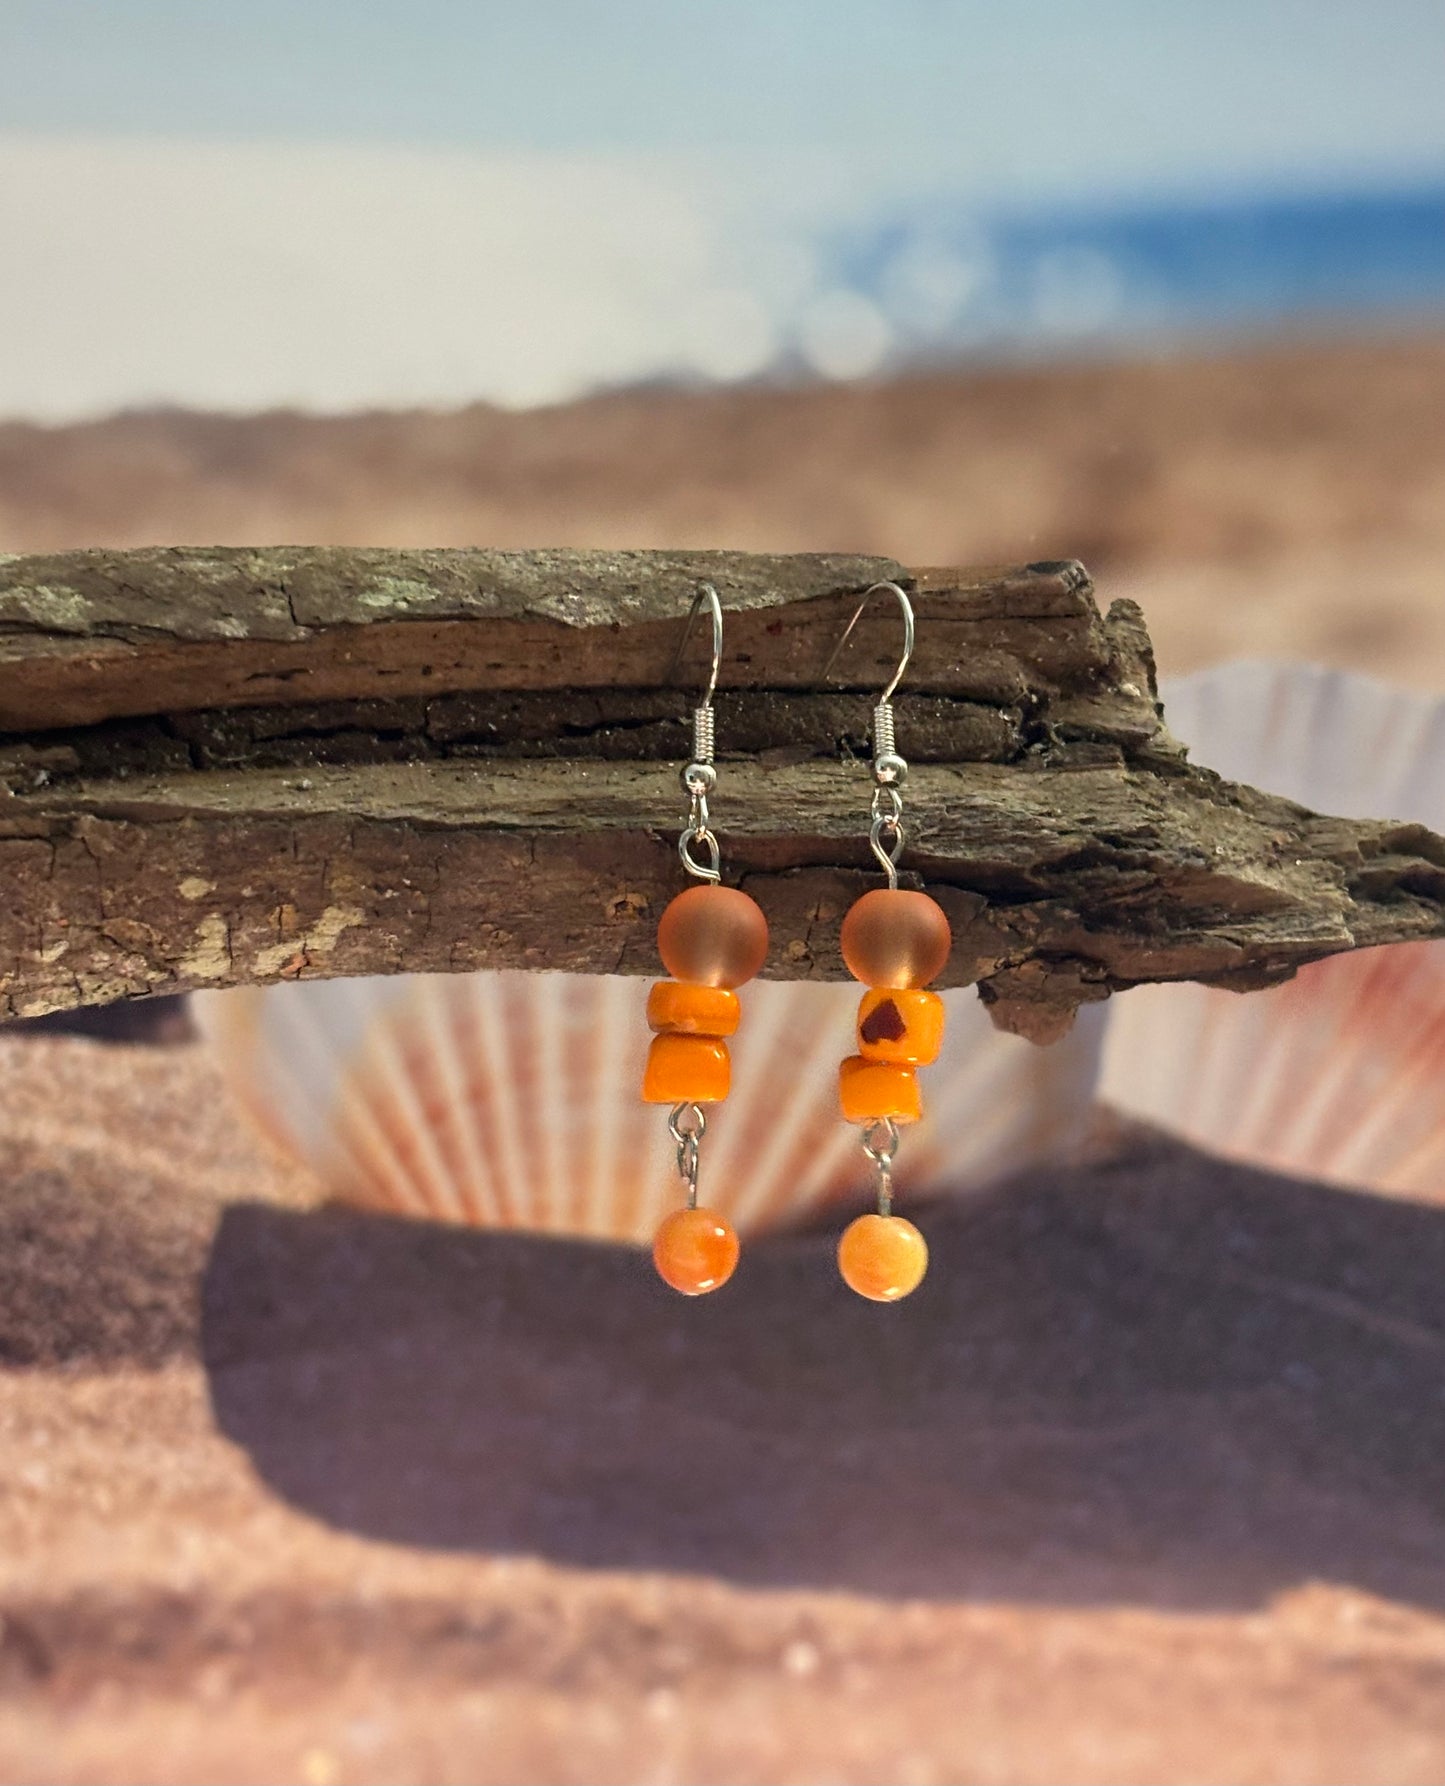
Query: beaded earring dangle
[[711, 939], [894, 941]]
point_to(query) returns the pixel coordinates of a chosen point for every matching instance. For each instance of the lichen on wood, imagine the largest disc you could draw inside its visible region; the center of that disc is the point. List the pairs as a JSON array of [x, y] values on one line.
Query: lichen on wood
[[232, 766]]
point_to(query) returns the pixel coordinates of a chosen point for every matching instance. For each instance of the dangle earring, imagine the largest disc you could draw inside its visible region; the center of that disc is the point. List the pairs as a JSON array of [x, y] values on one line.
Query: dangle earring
[[894, 941], [711, 939]]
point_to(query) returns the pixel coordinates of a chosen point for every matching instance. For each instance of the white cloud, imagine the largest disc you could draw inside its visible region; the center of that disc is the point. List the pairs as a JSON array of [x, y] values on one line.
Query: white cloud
[[729, 335], [340, 277], [842, 335]]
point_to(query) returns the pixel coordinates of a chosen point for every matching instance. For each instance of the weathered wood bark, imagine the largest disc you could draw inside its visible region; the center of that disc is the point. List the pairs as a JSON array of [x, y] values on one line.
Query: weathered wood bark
[[229, 766]]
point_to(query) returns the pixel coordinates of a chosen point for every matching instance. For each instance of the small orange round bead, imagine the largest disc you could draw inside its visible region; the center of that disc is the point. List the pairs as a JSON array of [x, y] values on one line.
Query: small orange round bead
[[713, 936], [882, 1257], [893, 937], [695, 1251]]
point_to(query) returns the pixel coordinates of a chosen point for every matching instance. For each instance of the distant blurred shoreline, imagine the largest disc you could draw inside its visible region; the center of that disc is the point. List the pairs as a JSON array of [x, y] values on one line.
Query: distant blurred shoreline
[[1281, 500]]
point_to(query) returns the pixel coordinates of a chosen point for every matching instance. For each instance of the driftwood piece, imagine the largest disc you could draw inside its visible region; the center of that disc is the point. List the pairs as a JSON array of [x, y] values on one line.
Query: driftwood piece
[[228, 765]]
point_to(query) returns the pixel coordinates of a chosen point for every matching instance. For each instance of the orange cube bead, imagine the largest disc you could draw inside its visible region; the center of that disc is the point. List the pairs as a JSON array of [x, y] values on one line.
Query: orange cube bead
[[686, 1070], [904, 1025], [680, 1010], [871, 1090]]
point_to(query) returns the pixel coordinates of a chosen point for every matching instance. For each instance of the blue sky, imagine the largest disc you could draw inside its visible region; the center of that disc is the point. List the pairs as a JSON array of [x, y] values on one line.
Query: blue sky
[[1019, 98], [341, 203]]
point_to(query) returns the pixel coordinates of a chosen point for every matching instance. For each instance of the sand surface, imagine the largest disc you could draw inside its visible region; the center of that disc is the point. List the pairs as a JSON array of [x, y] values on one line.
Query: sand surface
[[1146, 1484], [1281, 501]]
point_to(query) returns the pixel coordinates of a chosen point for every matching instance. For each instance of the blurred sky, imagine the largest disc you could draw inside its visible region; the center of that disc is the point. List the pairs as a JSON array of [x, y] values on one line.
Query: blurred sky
[[333, 203], [1047, 95]]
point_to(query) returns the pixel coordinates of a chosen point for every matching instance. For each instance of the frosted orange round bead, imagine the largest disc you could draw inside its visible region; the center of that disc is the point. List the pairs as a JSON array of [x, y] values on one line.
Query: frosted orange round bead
[[882, 1257], [893, 937], [713, 936], [695, 1251]]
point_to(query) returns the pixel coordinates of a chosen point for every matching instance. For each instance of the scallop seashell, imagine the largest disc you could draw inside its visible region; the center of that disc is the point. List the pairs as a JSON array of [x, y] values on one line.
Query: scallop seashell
[[1332, 740], [1336, 1074], [511, 1099]]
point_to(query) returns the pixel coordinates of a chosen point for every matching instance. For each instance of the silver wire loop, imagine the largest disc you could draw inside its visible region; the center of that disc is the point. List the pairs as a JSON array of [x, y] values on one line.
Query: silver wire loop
[[688, 1139], [885, 834], [711, 870], [697, 778], [880, 1143]]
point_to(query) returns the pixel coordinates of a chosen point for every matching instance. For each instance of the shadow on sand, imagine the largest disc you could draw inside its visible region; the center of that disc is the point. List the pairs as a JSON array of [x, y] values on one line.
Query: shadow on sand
[[1163, 1380]]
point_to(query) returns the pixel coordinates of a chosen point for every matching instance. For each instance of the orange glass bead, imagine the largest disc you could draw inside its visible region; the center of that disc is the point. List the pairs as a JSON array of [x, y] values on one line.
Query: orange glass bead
[[681, 1010], [904, 1025], [686, 1070], [713, 936], [695, 1251], [893, 937], [870, 1090], [882, 1257]]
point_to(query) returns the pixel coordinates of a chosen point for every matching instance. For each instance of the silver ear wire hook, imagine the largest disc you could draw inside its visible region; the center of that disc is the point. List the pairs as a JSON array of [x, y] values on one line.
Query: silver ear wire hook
[[907, 607], [699, 777], [705, 593], [890, 771]]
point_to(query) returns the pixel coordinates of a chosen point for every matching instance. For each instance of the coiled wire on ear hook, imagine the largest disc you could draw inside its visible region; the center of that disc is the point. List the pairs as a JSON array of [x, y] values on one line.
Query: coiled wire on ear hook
[[699, 776], [890, 770]]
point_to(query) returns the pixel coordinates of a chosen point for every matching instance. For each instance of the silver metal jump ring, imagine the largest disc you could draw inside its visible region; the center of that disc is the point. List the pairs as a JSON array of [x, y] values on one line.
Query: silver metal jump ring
[[880, 1143], [688, 1144], [708, 871], [880, 1140]]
